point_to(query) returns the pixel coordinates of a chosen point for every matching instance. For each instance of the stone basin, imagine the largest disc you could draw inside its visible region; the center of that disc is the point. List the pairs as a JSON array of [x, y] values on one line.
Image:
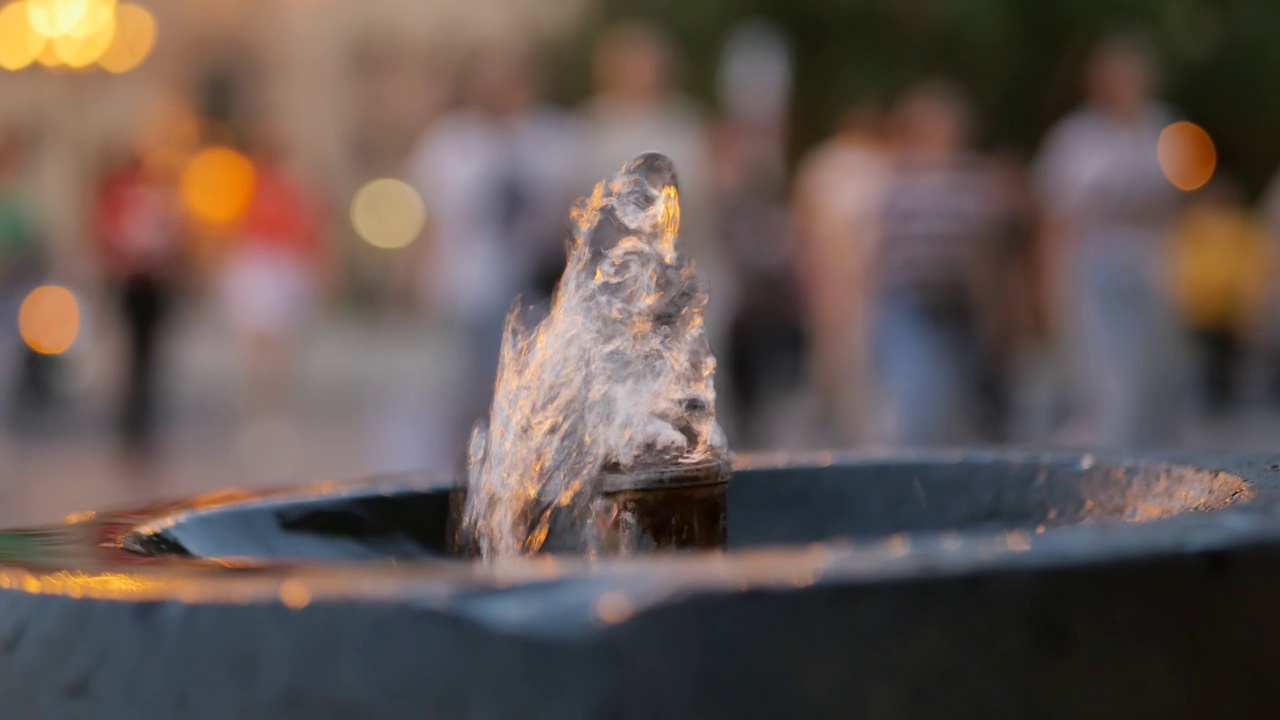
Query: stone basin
[[924, 585]]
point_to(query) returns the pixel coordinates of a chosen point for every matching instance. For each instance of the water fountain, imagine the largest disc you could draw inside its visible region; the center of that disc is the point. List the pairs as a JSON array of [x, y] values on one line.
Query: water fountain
[[926, 585]]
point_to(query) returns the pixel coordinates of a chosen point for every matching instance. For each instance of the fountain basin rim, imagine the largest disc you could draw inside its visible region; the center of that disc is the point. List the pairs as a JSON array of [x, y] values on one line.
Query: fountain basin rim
[[559, 598], [390, 484], [540, 595]]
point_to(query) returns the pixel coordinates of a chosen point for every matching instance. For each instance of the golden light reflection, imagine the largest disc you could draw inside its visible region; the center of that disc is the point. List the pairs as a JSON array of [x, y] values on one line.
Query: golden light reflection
[[49, 320], [898, 544], [195, 587], [1187, 155], [217, 185], [388, 213], [79, 517], [132, 41], [1018, 540], [79, 584], [19, 43], [294, 594], [613, 608], [669, 220]]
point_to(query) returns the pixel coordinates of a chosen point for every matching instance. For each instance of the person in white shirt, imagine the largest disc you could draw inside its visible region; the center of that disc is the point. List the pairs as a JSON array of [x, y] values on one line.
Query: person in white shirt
[[495, 174], [838, 191], [1109, 212]]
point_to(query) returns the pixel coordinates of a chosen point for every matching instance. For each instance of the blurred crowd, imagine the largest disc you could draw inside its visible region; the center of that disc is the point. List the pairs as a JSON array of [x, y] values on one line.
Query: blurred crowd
[[905, 283], [1091, 296]]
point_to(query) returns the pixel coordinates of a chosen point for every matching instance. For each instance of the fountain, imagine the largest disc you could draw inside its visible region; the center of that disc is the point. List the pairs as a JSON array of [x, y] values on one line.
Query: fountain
[[615, 385], [947, 584]]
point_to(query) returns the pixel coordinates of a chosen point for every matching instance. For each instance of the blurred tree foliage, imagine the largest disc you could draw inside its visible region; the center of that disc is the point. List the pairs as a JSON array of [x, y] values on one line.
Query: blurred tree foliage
[[1021, 59]]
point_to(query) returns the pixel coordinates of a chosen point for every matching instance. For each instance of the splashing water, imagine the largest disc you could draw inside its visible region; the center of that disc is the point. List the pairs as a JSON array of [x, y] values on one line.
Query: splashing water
[[618, 377]]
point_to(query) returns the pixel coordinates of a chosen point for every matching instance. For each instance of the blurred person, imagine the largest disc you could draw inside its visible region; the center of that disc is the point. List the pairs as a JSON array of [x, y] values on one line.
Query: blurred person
[[1222, 266], [1108, 218], [20, 272], [766, 340], [271, 283], [140, 240], [1010, 321], [1020, 384], [836, 205], [1267, 332], [934, 268], [495, 173], [765, 353], [637, 108]]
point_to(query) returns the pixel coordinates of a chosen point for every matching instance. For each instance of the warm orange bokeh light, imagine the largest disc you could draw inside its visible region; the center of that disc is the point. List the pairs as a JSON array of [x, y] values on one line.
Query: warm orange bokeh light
[[295, 594], [49, 320], [44, 18], [1187, 155], [79, 51], [74, 34], [49, 56], [56, 18], [92, 17], [19, 43], [217, 185], [132, 41]]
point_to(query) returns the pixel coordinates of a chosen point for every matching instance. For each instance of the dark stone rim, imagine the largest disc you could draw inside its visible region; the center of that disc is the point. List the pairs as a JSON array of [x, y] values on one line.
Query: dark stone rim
[[542, 596]]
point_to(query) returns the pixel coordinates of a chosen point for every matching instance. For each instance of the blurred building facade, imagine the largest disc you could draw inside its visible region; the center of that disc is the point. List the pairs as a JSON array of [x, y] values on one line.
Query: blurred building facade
[[343, 88]]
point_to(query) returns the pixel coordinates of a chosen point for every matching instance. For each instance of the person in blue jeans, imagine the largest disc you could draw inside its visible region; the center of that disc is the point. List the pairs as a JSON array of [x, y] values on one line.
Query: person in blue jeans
[[1109, 214], [940, 225]]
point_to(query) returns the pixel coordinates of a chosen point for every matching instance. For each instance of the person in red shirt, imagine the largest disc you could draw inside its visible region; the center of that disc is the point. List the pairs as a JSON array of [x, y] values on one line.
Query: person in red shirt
[[139, 237], [271, 281]]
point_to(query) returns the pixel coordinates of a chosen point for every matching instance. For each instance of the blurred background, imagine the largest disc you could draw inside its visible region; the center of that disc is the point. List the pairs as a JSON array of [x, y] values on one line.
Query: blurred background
[[248, 243]]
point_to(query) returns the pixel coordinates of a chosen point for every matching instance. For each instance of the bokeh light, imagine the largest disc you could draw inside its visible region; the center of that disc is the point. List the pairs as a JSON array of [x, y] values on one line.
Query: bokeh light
[[75, 34], [1187, 155], [388, 213], [295, 594], [134, 37], [79, 51], [42, 16], [49, 56], [20, 44], [93, 16], [217, 185], [56, 18], [49, 320]]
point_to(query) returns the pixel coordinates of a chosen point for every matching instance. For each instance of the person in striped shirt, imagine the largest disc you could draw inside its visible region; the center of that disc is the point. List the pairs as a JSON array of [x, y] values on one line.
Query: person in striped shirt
[[940, 221]]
